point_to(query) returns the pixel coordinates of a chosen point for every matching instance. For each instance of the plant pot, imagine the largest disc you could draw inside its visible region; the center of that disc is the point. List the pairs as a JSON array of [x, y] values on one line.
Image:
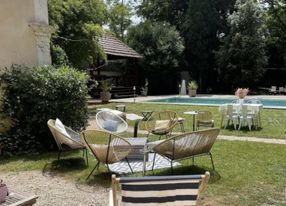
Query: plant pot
[[192, 92], [105, 96], [3, 193]]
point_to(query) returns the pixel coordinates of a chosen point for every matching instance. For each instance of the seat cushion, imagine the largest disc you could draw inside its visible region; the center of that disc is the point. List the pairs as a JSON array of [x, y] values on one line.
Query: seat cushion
[[110, 125], [61, 128]]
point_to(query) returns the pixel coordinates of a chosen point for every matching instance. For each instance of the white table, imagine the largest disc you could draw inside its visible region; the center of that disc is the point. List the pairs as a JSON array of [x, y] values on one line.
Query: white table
[[137, 119], [194, 114]]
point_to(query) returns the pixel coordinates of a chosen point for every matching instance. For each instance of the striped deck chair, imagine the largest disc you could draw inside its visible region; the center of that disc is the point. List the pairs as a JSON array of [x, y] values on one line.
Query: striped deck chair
[[158, 190]]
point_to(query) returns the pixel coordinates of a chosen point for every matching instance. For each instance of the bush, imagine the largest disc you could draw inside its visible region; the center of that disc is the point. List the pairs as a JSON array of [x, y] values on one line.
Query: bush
[[31, 96]]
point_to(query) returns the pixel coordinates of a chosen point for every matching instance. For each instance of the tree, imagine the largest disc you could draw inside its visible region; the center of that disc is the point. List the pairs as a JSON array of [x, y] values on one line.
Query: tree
[[120, 18], [162, 48], [78, 25], [242, 57], [200, 30], [276, 24], [159, 43]]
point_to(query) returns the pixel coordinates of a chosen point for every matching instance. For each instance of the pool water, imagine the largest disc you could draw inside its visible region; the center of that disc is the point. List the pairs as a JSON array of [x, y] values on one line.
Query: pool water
[[210, 101]]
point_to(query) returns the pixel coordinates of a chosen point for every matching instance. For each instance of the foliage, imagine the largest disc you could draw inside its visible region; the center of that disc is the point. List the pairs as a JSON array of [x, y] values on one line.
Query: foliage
[[242, 57], [159, 43], [276, 24], [32, 96], [78, 28], [120, 18], [59, 57], [192, 85], [105, 85]]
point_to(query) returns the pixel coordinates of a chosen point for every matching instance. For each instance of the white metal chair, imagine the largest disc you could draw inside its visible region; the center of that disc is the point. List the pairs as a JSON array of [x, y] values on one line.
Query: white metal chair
[[111, 122], [273, 90], [245, 117], [230, 115]]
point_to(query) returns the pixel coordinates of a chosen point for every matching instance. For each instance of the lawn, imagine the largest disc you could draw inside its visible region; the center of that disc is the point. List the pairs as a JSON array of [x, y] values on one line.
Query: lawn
[[246, 173], [273, 120]]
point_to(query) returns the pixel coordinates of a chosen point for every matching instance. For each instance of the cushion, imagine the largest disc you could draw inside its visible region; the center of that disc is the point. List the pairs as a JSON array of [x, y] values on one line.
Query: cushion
[[61, 128], [161, 126], [110, 125]]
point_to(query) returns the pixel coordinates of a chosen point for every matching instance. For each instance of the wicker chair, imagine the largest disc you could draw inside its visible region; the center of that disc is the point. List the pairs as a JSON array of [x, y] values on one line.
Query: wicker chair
[[106, 147], [204, 119], [186, 145], [158, 190], [111, 122], [161, 123], [66, 143]]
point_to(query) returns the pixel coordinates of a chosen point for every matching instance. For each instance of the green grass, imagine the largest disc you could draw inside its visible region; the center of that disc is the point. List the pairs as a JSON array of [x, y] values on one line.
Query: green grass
[[273, 121], [246, 173]]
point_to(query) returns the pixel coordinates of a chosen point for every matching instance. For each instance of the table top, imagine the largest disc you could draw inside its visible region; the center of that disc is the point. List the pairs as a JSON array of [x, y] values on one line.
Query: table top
[[137, 141], [133, 117], [191, 112]]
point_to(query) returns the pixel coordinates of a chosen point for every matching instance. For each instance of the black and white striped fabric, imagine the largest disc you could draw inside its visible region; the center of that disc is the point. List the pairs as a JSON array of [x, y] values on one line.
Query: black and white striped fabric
[[161, 191]]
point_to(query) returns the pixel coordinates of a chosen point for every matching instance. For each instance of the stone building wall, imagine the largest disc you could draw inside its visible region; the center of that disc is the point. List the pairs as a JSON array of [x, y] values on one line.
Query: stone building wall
[[24, 33]]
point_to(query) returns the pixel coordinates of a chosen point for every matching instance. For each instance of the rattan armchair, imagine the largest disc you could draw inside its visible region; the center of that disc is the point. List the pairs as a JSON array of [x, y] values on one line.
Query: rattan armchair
[[66, 143], [161, 123], [188, 145], [111, 122], [204, 119], [106, 147]]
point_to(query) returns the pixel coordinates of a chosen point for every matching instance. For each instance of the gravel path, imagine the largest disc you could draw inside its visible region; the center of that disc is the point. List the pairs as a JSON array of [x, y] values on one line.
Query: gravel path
[[55, 191]]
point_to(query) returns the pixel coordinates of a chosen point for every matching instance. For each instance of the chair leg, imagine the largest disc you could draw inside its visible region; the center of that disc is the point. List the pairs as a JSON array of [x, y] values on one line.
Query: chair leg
[[172, 167], [96, 166], [59, 154], [129, 165], [182, 127], [154, 161], [212, 161], [86, 156]]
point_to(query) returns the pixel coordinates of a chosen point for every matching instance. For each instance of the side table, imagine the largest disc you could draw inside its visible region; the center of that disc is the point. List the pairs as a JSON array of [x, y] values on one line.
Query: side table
[[146, 114]]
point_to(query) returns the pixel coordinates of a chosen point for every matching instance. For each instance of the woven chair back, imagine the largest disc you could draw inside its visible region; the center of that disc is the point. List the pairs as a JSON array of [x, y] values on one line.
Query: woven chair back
[[161, 123], [111, 122], [188, 144], [106, 147], [62, 139], [204, 116]]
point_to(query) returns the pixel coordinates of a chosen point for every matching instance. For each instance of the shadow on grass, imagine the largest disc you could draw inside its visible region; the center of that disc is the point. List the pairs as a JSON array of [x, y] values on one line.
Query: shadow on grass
[[63, 166]]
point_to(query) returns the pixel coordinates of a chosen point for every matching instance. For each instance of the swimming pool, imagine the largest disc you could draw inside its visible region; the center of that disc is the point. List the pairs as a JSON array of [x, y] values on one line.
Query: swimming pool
[[210, 101]]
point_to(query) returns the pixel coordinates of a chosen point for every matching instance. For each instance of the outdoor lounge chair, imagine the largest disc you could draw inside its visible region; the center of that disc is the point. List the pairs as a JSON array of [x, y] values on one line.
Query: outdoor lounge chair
[[111, 122], [186, 145], [67, 141], [204, 119], [161, 123], [158, 190], [106, 147]]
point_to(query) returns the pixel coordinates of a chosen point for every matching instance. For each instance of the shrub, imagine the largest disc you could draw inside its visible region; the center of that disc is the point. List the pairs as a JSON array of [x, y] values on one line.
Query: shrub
[[31, 96]]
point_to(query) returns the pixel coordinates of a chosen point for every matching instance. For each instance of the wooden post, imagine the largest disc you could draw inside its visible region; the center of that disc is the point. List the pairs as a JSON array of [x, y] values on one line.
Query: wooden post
[[114, 185]]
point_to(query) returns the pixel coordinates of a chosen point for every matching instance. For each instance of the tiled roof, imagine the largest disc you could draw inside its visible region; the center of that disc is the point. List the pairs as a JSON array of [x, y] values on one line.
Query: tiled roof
[[113, 46]]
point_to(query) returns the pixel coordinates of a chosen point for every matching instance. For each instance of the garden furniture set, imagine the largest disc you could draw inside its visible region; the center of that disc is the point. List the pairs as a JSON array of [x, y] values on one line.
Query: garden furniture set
[[238, 114], [108, 147]]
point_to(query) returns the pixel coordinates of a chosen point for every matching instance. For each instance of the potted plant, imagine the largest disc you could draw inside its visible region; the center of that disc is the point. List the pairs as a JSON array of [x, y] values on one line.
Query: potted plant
[[105, 94], [144, 90], [192, 86]]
